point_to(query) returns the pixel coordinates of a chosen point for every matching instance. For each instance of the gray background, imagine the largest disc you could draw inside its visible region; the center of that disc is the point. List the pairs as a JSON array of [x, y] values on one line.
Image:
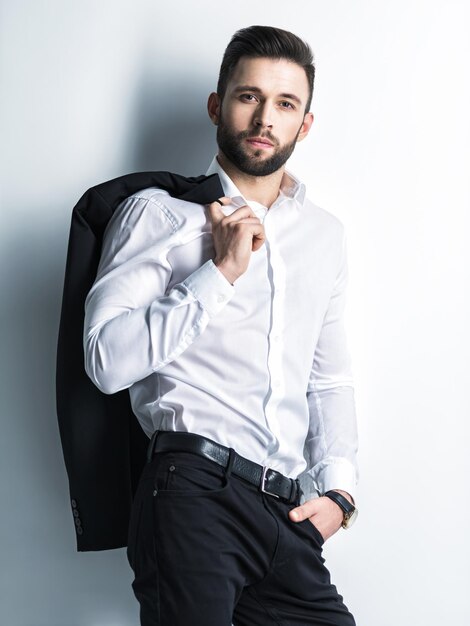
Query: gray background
[[95, 89]]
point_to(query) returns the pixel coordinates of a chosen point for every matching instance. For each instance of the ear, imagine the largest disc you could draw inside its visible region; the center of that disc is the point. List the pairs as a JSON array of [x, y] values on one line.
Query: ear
[[306, 126], [213, 107]]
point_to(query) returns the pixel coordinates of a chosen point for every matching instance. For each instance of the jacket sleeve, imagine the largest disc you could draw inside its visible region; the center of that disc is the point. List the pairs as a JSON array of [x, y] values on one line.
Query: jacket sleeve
[[135, 325], [332, 442]]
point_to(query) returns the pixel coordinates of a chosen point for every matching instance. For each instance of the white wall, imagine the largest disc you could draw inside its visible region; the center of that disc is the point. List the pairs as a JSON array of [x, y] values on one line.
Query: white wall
[[95, 89]]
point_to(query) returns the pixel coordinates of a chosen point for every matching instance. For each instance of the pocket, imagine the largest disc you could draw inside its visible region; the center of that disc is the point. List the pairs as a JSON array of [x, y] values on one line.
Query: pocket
[[313, 529], [188, 475]]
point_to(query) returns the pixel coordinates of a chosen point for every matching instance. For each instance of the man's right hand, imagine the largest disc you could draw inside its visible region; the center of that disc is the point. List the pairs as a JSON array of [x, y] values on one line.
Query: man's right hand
[[236, 236]]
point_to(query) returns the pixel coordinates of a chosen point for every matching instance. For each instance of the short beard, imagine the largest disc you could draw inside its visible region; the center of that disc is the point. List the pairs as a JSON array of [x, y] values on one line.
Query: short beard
[[231, 145]]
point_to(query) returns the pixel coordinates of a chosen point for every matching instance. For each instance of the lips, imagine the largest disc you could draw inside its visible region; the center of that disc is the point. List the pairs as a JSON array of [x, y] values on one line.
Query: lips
[[260, 142]]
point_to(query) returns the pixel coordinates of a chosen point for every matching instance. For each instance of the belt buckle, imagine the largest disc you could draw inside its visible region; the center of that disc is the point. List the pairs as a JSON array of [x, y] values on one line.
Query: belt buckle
[[263, 480]]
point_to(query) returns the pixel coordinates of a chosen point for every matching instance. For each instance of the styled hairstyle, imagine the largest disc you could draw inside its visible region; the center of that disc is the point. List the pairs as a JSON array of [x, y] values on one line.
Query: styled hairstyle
[[268, 42]]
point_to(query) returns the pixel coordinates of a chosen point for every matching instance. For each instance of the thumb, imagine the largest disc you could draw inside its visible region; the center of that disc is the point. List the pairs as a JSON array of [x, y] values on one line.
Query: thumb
[[302, 512]]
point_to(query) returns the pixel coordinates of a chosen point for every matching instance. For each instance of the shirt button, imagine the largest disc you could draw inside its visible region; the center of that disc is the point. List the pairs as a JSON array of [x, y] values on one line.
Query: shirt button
[[277, 383], [276, 337], [220, 298]]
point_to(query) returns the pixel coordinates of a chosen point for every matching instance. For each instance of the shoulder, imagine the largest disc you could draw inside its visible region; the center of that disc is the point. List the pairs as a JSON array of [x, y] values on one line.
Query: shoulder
[[155, 207], [322, 216], [324, 221], [312, 214], [144, 225]]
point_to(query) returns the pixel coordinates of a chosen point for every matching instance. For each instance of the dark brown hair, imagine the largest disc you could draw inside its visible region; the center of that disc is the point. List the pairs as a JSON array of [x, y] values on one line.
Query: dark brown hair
[[269, 42]]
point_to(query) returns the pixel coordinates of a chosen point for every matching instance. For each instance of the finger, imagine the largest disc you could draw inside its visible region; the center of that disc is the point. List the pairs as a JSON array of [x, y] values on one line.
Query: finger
[[304, 511], [215, 212], [240, 213], [248, 220], [259, 237], [258, 241], [257, 231], [223, 200]]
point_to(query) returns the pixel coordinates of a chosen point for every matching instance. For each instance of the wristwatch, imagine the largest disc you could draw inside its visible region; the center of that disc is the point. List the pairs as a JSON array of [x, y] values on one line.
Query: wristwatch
[[349, 510]]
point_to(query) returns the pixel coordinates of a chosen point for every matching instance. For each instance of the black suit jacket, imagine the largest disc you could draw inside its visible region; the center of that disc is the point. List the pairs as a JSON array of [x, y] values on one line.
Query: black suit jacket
[[103, 445]]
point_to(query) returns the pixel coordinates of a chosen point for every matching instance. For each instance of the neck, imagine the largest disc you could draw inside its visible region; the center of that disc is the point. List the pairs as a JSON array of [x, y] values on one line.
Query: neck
[[262, 189]]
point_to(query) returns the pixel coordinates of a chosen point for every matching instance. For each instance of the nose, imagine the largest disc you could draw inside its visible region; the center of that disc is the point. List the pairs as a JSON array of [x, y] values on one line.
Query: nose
[[263, 116]]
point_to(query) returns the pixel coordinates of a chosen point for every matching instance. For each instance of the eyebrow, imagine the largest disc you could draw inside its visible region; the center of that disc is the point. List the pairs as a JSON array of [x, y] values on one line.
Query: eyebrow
[[290, 96]]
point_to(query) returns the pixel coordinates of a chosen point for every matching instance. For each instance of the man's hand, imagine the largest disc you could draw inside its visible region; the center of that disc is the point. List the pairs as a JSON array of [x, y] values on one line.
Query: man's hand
[[324, 514], [236, 236]]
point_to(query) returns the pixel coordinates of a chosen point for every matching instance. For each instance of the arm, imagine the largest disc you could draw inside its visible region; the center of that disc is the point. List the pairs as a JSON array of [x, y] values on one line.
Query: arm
[[331, 443], [133, 325]]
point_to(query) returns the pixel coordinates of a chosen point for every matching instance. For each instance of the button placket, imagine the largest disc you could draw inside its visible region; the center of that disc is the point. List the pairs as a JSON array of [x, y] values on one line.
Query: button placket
[[275, 365]]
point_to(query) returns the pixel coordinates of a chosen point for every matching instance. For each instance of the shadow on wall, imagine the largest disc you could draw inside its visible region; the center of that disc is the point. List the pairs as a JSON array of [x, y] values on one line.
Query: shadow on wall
[[162, 133], [173, 132], [166, 128]]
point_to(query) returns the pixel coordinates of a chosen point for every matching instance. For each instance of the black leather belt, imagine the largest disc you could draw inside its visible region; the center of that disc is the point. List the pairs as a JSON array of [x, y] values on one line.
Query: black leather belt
[[269, 481]]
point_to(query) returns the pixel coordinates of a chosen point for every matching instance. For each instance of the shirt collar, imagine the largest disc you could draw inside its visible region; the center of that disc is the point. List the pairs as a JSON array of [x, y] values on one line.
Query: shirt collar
[[291, 187]]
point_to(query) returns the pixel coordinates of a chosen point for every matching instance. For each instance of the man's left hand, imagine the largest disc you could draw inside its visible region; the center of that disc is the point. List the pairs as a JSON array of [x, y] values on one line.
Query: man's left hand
[[324, 514]]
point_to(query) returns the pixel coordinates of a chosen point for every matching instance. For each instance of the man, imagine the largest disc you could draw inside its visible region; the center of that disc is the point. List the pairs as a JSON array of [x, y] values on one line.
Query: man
[[225, 322]]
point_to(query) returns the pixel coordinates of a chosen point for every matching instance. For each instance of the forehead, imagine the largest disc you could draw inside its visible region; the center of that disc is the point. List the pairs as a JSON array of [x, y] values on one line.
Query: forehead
[[272, 76]]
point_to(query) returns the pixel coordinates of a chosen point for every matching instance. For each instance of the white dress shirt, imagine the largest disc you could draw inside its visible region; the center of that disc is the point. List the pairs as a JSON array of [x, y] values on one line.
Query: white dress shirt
[[262, 365]]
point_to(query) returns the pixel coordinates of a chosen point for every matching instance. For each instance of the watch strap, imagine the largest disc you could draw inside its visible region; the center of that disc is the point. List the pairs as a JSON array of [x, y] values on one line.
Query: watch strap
[[341, 501], [349, 510]]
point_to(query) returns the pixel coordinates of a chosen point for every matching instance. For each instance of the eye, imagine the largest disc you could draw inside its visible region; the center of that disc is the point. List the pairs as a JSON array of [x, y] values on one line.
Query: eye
[[285, 104], [249, 97]]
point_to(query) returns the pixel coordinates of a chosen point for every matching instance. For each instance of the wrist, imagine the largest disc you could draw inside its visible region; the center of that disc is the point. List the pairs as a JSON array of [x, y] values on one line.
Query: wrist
[[343, 500], [229, 274], [345, 494]]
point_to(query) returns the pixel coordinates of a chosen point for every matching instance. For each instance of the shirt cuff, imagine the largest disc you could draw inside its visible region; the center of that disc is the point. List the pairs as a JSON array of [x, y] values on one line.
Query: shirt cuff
[[335, 473], [210, 287]]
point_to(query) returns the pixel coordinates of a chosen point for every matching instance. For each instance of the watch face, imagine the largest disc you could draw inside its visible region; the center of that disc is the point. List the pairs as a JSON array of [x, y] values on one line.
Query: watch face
[[350, 519]]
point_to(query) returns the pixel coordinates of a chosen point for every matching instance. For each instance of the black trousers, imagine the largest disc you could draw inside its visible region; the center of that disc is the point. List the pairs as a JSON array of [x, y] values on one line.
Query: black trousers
[[210, 549]]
